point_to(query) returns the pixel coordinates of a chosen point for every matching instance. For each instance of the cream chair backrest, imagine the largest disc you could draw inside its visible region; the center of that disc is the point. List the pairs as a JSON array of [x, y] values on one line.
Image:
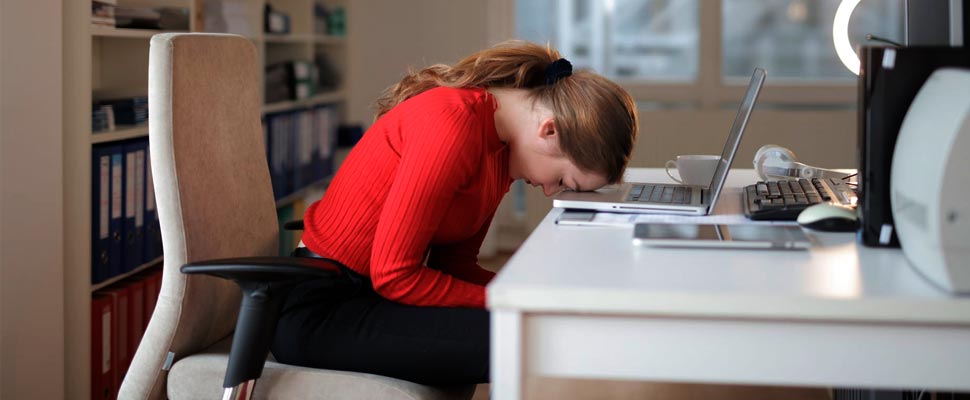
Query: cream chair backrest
[[213, 192]]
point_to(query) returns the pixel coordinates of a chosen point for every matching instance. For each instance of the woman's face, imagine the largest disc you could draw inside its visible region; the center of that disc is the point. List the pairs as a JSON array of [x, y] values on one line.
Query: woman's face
[[540, 162]]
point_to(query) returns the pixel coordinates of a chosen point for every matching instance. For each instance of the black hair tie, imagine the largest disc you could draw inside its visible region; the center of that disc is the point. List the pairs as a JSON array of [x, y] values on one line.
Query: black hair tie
[[559, 69]]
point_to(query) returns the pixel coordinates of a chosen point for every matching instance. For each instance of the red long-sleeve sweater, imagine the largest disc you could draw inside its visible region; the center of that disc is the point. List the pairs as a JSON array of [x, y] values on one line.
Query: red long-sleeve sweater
[[425, 179]]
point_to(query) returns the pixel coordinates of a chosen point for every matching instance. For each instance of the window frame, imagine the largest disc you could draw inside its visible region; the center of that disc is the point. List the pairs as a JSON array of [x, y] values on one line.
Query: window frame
[[710, 90]]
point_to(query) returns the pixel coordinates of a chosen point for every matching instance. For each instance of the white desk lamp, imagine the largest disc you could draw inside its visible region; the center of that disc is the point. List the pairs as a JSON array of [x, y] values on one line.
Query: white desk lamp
[[840, 35]]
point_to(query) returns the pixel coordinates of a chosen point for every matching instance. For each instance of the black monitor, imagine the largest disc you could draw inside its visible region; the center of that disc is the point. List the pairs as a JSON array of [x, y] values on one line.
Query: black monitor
[[889, 80], [937, 23]]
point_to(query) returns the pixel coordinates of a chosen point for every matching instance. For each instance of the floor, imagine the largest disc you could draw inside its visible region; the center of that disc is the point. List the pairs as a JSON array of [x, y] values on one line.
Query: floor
[[542, 388]]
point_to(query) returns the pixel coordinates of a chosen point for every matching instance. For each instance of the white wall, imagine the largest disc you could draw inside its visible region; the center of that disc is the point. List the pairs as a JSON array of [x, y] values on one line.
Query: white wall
[[31, 204], [386, 37]]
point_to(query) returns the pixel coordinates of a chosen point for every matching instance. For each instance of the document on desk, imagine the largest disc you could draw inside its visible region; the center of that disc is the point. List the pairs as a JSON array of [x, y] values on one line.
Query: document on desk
[[592, 218]]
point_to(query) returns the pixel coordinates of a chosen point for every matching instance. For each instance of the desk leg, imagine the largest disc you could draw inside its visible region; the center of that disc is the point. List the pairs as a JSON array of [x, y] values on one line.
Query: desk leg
[[507, 355]]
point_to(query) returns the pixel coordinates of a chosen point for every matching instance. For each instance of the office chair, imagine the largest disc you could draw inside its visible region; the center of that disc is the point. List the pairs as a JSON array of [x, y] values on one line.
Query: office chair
[[219, 225]]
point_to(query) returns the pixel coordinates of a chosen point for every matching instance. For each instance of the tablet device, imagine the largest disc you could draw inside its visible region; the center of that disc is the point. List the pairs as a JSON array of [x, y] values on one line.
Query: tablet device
[[742, 236]]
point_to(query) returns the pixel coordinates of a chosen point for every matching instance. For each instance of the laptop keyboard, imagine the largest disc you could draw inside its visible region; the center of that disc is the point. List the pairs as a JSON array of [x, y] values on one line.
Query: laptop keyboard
[[660, 194], [784, 200]]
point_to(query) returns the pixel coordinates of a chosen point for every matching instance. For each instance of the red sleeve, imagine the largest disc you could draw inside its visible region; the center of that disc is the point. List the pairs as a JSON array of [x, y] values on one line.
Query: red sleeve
[[461, 259], [437, 158]]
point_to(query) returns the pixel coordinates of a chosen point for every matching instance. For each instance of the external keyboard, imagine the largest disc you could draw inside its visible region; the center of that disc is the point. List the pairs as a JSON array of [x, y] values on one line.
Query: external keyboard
[[784, 200]]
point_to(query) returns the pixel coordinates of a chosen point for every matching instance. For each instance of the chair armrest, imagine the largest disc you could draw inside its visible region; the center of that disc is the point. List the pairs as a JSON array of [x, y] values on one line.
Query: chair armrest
[[265, 283], [266, 269], [295, 225]]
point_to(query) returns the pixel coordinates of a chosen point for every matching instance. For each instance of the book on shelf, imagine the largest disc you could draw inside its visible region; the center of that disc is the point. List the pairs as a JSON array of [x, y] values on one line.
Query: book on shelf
[[329, 21], [103, 12], [320, 19], [327, 76], [155, 18], [274, 21], [290, 80], [125, 232], [325, 125], [119, 318], [278, 153], [103, 264], [102, 118], [136, 313], [119, 344], [102, 351], [116, 224], [300, 147], [337, 22], [126, 111], [134, 201]]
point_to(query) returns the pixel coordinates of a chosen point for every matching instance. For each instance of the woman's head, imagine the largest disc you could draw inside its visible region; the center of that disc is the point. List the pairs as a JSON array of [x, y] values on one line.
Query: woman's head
[[595, 119]]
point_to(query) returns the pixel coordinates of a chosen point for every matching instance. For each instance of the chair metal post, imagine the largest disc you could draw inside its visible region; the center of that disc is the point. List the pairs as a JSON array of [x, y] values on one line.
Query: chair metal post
[[242, 391]]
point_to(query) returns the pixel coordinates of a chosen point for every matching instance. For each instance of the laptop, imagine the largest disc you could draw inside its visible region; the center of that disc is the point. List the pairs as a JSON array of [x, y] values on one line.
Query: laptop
[[665, 198]]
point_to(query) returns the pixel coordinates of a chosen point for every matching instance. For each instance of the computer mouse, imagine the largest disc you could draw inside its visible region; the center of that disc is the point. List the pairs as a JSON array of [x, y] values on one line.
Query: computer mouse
[[829, 217]]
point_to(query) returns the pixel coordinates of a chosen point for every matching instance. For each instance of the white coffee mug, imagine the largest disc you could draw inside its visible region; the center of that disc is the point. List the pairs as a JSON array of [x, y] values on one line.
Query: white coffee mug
[[694, 169]]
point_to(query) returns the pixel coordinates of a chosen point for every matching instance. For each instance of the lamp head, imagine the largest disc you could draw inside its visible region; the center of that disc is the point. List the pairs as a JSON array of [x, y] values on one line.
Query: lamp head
[[840, 35]]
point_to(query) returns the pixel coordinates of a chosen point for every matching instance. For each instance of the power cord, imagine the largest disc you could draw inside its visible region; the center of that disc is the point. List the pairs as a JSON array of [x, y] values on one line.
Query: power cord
[[873, 38]]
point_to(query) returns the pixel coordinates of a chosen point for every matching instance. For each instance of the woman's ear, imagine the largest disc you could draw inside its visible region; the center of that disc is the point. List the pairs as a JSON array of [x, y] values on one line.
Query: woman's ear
[[547, 128], [548, 136]]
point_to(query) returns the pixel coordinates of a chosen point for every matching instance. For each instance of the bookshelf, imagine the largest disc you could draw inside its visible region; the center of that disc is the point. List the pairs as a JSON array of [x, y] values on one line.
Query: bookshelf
[[101, 62], [139, 269], [329, 97], [103, 31], [121, 132]]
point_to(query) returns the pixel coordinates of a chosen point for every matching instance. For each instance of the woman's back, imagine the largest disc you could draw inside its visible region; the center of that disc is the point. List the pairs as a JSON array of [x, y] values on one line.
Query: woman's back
[[432, 170]]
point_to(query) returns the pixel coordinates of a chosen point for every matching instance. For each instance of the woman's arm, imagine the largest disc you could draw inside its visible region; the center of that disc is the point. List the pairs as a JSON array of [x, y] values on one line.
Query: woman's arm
[[461, 259], [439, 155]]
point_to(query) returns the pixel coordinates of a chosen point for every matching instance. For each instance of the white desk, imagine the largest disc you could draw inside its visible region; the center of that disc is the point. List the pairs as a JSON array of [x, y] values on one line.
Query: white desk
[[584, 302]]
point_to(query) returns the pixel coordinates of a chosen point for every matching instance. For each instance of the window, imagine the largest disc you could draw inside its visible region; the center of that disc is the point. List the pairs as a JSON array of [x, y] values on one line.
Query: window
[[703, 50], [623, 39]]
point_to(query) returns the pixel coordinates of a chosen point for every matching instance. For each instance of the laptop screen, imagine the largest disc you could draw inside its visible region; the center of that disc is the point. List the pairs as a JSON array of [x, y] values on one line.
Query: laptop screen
[[734, 139]]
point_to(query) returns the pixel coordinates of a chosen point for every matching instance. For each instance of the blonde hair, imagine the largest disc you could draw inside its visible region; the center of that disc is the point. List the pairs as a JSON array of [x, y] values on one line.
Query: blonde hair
[[595, 117]]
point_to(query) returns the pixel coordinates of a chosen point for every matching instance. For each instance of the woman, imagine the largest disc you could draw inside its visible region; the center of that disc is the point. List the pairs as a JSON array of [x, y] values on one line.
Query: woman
[[411, 204]]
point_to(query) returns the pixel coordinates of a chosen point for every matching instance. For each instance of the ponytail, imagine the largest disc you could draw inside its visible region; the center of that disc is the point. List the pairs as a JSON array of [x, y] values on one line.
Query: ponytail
[[511, 64]]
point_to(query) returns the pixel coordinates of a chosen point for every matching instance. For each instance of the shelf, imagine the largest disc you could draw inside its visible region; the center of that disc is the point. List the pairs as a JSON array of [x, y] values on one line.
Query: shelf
[[326, 97], [297, 38], [329, 39], [109, 282], [299, 194], [286, 38], [121, 132], [107, 31]]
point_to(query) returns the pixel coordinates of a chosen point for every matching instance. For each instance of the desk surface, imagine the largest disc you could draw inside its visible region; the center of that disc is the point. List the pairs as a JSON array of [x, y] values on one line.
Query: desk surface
[[570, 269]]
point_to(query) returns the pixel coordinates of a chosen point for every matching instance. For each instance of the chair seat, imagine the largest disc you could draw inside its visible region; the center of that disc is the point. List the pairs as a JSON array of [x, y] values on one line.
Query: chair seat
[[199, 376]]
